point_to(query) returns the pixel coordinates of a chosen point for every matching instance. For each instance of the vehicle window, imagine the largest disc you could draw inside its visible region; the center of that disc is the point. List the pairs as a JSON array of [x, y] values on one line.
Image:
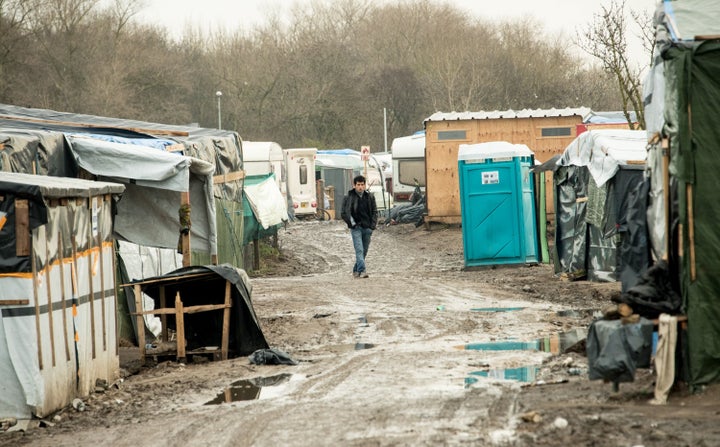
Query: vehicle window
[[408, 170]]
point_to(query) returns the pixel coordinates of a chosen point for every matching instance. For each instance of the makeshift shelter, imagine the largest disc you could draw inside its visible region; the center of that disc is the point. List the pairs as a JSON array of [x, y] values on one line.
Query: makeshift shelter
[[178, 179], [210, 308], [682, 97], [57, 291], [545, 132], [593, 180], [217, 241]]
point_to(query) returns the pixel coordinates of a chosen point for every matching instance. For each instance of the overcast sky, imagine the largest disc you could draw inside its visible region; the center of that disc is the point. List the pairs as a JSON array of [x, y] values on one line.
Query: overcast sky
[[556, 15]]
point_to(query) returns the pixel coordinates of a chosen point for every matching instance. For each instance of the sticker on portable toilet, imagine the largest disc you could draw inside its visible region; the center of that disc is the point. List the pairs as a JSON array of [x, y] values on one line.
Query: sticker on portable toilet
[[491, 178]]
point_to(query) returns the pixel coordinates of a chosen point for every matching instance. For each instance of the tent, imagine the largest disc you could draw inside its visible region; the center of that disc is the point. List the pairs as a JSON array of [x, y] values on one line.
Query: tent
[[682, 97], [592, 179], [215, 186], [57, 291]]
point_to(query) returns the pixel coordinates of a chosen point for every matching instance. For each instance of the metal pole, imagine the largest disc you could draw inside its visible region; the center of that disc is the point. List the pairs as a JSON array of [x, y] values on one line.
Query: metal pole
[[385, 126], [219, 95]]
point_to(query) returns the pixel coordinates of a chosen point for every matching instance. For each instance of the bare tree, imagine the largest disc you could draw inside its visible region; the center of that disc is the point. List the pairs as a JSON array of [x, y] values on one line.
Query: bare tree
[[606, 39]]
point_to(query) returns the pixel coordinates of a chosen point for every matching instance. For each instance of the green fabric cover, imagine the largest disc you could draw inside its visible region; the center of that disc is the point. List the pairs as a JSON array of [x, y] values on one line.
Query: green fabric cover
[[692, 73]]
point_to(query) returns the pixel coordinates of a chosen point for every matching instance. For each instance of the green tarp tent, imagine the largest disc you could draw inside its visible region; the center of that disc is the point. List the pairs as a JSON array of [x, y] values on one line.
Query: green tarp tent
[[682, 96]]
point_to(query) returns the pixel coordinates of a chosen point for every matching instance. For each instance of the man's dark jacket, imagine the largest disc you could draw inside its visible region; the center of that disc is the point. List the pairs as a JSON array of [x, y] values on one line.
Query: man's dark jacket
[[362, 209]]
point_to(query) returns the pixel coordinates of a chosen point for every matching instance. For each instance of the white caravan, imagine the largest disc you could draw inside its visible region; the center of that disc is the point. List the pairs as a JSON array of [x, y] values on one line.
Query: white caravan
[[263, 158], [300, 170], [408, 165]]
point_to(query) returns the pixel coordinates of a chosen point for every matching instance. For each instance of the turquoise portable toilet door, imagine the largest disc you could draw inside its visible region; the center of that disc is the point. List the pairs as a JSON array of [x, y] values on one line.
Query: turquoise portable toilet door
[[490, 213]]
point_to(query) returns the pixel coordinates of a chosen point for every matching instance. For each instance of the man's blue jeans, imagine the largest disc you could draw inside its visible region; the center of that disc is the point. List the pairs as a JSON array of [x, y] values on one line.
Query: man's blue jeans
[[361, 243]]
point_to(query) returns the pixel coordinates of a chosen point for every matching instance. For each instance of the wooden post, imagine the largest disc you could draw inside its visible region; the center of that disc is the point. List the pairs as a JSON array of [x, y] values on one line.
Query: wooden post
[[140, 321], [92, 289], [47, 270], [37, 307], [185, 236], [320, 194], [691, 230], [163, 317], [115, 288], [61, 253], [99, 200], [256, 254], [180, 327], [22, 228], [665, 147], [226, 322]]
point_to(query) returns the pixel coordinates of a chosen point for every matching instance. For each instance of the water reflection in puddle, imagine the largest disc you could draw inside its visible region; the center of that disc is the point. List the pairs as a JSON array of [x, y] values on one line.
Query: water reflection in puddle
[[523, 374], [248, 389], [554, 344], [361, 346], [496, 309]]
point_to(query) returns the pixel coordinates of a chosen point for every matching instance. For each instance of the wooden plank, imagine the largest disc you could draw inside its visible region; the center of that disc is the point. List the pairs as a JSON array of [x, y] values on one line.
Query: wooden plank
[[22, 228], [115, 314], [185, 235], [63, 296], [229, 177], [169, 280], [140, 321], [177, 133], [180, 327], [187, 310], [226, 322], [163, 317], [179, 147], [691, 231], [38, 334], [48, 269], [14, 302], [665, 145], [92, 293], [103, 311]]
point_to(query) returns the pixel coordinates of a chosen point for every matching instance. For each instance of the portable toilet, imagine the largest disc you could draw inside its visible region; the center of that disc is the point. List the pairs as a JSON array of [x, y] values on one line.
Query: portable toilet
[[497, 204]]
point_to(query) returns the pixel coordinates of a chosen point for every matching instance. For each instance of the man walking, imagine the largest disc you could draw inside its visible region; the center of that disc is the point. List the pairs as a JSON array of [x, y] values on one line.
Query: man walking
[[360, 214]]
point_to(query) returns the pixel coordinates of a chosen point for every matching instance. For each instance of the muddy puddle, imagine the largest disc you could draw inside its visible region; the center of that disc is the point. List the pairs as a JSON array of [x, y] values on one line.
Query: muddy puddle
[[252, 389]]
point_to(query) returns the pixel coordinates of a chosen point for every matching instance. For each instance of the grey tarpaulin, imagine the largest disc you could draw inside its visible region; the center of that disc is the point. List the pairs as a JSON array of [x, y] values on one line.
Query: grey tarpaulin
[[615, 350]]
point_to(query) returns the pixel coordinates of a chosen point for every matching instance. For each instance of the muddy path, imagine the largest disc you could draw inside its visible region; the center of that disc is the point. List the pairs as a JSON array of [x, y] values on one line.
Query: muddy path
[[384, 361]]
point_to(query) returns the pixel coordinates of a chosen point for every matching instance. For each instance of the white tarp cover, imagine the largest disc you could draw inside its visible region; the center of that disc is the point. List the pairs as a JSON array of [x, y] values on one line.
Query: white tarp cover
[[493, 149], [49, 354], [148, 212], [603, 151], [267, 202]]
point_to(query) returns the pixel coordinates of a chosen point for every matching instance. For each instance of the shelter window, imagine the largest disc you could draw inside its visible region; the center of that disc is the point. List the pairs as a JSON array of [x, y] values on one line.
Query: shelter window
[[303, 175], [452, 135], [556, 132]]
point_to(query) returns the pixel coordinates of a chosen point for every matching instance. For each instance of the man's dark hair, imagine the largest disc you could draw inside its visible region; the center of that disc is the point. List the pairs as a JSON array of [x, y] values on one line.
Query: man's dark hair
[[359, 179]]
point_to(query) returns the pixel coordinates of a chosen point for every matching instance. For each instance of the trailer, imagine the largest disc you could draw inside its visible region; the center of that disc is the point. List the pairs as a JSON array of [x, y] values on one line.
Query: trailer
[[300, 170], [261, 158], [408, 165]]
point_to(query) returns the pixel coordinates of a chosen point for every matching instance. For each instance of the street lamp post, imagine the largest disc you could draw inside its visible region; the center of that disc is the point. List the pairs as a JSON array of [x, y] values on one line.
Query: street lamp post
[[218, 94]]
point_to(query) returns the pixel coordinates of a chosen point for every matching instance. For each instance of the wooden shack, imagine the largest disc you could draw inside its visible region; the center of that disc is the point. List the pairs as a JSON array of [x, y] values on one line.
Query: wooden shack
[[545, 132]]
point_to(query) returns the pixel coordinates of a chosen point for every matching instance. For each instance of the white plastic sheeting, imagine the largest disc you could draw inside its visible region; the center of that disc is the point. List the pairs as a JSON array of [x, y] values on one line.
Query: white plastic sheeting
[[267, 203], [603, 151], [55, 347]]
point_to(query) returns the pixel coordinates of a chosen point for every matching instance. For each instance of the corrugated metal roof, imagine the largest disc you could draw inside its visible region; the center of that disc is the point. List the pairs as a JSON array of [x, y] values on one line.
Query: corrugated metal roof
[[496, 114]]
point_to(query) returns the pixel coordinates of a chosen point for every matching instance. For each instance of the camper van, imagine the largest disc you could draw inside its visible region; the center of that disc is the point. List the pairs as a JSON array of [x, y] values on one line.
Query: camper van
[[300, 170], [408, 165], [262, 158]]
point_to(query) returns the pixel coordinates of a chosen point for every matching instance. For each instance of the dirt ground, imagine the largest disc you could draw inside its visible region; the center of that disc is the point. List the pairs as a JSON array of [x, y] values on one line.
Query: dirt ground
[[382, 362]]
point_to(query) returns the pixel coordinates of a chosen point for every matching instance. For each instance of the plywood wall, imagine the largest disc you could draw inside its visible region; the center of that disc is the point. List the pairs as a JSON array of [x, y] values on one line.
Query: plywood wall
[[443, 190]]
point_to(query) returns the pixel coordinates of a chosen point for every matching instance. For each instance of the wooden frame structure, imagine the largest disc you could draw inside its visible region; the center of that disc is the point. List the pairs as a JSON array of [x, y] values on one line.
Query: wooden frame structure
[[179, 310]]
